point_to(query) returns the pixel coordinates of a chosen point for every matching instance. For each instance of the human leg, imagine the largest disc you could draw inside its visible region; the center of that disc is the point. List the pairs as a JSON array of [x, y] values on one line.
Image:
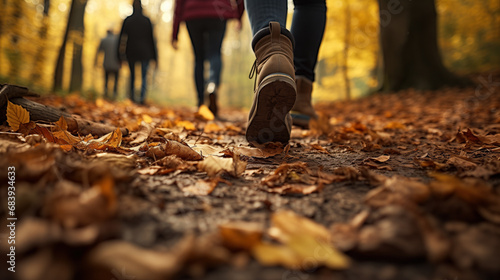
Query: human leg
[[106, 78], [131, 65], [308, 26], [269, 119], [196, 34], [144, 80], [115, 85], [216, 29], [261, 12]]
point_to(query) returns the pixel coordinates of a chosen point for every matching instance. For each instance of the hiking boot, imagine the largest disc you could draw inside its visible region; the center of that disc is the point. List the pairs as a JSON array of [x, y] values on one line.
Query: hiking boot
[[212, 98], [303, 111], [275, 90]]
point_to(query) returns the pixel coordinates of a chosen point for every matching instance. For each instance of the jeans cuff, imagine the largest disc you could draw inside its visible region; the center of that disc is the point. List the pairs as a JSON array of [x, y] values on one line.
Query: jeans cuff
[[266, 31]]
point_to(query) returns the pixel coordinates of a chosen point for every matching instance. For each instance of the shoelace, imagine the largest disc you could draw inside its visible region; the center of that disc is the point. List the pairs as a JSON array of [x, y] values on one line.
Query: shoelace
[[253, 73]]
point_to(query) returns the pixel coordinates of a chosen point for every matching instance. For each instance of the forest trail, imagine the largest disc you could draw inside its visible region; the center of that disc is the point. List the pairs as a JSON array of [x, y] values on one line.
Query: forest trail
[[391, 186]]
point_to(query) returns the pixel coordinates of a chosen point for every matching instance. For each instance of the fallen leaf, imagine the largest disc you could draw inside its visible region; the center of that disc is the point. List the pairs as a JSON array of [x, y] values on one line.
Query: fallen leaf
[[171, 147], [61, 124], [306, 244], [145, 131], [205, 113], [382, 158], [201, 187], [258, 152], [71, 207], [16, 115], [214, 165], [241, 235]]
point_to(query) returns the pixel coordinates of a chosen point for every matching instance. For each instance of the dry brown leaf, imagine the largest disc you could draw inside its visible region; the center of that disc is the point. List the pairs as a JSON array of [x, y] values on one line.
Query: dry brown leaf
[[16, 115], [258, 152], [319, 148], [66, 137], [461, 163], [171, 147], [145, 131], [382, 158], [201, 187], [112, 139], [470, 190], [123, 260], [61, 124], [296, 189], [72, 208], [241, 235], [214, 165]]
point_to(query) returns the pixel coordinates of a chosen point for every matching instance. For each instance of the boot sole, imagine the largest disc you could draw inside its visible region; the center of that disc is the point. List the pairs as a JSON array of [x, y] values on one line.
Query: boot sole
[[275, 97]]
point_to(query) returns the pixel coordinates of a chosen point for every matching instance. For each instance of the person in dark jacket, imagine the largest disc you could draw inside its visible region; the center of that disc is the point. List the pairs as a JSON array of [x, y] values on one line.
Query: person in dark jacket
[[140, 47], [206, 23]]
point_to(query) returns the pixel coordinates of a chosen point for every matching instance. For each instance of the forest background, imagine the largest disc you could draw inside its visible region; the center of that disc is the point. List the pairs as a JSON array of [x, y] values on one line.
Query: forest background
[[349, 66]]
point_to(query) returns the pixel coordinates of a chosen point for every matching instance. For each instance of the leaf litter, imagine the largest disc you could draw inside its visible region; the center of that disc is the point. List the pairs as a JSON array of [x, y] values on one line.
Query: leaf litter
[[411, 177]]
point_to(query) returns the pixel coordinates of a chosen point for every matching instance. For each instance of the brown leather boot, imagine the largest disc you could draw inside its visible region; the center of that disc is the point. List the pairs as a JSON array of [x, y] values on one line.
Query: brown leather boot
[[303, 111], [269, 119], [212, 98]]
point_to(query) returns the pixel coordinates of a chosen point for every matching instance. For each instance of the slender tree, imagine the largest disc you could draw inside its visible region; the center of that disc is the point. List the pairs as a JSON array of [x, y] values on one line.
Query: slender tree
[[73, 35], [347, 39], [411, 56], [36, 71]]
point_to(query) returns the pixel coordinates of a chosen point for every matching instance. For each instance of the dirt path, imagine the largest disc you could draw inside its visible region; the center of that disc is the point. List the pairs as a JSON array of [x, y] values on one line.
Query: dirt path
[[407, 186]]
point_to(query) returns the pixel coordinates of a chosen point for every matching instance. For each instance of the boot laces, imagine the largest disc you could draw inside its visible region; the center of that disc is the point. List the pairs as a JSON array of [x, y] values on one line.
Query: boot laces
[[253, 74]]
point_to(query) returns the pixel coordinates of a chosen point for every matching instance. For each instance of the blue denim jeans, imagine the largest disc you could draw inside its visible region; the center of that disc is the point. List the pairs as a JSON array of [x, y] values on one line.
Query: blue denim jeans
[[308, 26], [144, 72], [206, 37]]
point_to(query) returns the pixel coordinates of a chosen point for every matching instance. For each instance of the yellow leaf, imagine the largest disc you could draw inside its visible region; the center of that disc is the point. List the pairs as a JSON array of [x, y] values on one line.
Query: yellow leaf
[[146, 118], [306, 244], [116, 138], [205, 113], [16, 115], [61, 124], [67, 137], [186, 124], [113, 139]]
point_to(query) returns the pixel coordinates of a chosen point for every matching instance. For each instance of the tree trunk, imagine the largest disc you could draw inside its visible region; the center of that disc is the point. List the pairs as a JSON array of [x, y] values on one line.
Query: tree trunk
[[75, 28], [347, 38], [77, 38], [38, 65], [411, 57]]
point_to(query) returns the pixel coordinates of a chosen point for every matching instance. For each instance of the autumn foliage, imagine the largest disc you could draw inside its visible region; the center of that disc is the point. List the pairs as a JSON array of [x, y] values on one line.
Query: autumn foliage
[[409, 177]]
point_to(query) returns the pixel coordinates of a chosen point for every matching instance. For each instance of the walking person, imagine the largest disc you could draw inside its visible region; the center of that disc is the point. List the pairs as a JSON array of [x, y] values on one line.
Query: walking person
[[110, 63], [137, 30], [206, 24], [284, 66]]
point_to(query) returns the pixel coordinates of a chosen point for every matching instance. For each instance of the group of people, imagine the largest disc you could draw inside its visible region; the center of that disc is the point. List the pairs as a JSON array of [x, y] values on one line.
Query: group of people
[[284, 67]]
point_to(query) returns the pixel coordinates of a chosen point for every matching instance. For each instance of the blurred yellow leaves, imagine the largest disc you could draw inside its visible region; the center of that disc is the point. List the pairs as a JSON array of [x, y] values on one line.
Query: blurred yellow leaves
[[305, 244]]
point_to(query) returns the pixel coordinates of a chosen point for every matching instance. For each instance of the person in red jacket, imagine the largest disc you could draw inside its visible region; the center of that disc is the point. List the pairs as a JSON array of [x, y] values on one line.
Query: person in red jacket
[[206, 24]]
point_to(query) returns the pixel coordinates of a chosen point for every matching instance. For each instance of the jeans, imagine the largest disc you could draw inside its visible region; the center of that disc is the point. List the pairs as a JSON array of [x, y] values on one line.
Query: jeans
[[107, 74], [206, 37], [308, 26], [144, 72]]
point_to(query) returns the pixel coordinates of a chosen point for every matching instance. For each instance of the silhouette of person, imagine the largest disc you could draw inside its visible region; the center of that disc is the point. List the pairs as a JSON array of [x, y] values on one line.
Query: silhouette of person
[[284, 66], [140, 47], [206, 24], [110, 62]]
